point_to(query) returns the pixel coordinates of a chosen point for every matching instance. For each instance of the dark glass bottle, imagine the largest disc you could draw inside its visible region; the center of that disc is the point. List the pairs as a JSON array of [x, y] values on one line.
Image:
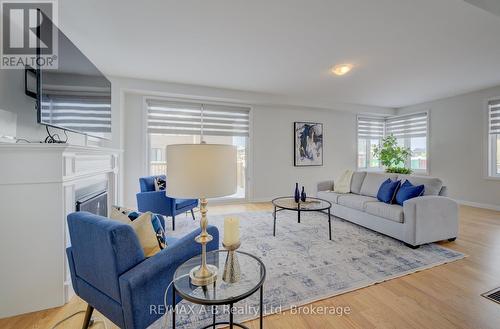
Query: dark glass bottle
[[303, 195], [297, 193]]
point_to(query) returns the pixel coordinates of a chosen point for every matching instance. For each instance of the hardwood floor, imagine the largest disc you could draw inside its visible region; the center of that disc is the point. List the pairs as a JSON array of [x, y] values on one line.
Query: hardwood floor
[[447, 296]]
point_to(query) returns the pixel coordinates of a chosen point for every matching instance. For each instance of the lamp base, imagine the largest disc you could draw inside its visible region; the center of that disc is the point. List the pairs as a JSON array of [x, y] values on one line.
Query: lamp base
[[199, 277]]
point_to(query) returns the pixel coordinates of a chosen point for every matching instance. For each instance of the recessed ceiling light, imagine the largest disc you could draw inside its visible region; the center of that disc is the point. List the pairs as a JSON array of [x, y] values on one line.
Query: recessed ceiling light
[[342, 69]]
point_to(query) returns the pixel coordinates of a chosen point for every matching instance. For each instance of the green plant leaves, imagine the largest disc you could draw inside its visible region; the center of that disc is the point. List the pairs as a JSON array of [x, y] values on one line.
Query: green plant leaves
[[392, 156]]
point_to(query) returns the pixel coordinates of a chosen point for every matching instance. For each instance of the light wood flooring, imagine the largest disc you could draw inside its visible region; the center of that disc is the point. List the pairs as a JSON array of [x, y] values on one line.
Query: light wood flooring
[[447, 296]]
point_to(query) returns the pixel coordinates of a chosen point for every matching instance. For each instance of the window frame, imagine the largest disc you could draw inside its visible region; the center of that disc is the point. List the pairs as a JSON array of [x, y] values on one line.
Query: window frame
[[146, 142], [368, 152], [367, 147], [407, 142], [490, 145]]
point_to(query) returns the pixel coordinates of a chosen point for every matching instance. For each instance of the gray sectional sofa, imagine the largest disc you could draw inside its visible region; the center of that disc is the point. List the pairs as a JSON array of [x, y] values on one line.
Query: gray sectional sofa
[[428, 218]]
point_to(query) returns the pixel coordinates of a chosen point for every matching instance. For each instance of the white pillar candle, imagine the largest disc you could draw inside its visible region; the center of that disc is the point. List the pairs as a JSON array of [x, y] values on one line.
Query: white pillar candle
[[231, 230]]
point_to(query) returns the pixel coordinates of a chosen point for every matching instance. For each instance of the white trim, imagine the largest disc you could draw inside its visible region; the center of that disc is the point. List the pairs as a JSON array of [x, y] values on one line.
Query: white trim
[[479, 205], [145, 138], [489, 159], [261, 200], [428, 142]]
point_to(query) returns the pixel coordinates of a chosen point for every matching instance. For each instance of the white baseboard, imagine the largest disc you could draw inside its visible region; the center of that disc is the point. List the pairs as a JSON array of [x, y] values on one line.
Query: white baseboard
[[257, 200], [479, 205]]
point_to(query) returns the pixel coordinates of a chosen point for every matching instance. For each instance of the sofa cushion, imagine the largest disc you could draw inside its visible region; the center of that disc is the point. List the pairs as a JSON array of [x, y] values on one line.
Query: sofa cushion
[[432, 185], [356, 181], [354, 201], [343, 184], [387, 191], [408, 191], [329, 196], [392, 212], [372, 183]]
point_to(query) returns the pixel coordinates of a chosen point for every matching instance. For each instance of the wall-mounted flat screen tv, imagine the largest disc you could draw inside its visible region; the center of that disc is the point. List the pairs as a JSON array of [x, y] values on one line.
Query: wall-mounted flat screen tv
[[76, 96]]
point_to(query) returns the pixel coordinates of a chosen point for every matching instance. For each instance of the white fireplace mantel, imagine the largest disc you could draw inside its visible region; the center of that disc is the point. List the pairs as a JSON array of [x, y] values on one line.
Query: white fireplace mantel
[[37, 191]]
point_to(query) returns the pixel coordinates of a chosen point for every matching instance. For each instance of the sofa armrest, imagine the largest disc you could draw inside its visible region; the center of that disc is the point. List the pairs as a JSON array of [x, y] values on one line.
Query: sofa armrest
[[155, 201], [143, 287], [430, 218], [325, 186]]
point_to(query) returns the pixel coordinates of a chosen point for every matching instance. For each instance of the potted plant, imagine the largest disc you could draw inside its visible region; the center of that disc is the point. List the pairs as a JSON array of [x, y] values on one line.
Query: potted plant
[[392, 156]]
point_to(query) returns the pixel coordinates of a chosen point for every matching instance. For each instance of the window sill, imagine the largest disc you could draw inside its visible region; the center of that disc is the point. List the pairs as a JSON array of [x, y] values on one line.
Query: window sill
[[371, 169], [492, 178]]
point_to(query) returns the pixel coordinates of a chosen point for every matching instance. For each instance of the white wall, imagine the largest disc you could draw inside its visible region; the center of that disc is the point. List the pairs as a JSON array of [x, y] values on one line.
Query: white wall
[[458, 145], [271, 171]]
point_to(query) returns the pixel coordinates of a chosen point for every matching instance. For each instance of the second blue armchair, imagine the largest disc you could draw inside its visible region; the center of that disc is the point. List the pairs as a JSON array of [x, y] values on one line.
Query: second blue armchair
[[159, 203]]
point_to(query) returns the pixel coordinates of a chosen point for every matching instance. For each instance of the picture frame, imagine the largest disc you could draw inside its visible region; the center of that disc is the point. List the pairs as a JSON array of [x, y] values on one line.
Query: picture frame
[[308, 144]]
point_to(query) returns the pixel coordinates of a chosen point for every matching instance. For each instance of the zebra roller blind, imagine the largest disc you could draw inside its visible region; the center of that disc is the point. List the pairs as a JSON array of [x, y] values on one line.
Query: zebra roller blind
[[85, 113], [370, 128], [170, 117], [494, 116], [407, 126]]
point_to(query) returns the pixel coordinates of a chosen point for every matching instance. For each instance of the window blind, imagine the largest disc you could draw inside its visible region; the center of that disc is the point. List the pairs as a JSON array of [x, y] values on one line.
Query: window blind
[[370, 127], [81, 113], [407, 126], [169, 117], [494, 116]]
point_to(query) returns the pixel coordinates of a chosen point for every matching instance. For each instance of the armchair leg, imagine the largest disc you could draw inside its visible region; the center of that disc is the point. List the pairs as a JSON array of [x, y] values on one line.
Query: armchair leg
[[192, 214], [88, 316], [173, 223]]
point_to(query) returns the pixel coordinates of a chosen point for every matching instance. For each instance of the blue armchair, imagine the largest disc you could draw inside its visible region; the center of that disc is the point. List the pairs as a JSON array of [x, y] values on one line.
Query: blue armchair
[[159, 203], [109, 271]]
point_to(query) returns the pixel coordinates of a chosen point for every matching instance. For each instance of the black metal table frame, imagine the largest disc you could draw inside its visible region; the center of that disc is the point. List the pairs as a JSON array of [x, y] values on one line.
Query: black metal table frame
[[278, 208], [230, 302]]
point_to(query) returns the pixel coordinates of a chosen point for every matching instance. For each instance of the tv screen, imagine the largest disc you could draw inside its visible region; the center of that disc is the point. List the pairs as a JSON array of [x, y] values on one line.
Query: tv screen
[[76, 96]]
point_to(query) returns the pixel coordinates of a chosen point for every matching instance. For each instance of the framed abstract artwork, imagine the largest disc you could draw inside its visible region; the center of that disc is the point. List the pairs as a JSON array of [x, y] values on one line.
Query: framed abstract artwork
[[308, 144]]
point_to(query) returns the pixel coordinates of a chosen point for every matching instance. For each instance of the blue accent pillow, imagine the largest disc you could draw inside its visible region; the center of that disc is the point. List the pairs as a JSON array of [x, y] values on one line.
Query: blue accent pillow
[[387, 191], [408, 191]]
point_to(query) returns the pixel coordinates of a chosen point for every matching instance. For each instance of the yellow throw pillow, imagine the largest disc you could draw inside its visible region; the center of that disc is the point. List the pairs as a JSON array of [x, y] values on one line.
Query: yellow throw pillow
[[343, 184], [142, 227]]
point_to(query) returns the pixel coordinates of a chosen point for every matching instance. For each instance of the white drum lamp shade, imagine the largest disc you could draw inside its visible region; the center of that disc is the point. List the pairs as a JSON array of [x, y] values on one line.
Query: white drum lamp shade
[[201, 170]]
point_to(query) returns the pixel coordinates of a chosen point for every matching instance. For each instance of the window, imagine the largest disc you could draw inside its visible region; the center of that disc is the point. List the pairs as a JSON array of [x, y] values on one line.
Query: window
[[410, 131], [186, 122], [494, 138], [370, 134], [157, 155]]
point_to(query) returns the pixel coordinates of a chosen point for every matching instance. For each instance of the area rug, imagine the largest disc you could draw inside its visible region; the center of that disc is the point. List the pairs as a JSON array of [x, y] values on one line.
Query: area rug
[[304, 266]]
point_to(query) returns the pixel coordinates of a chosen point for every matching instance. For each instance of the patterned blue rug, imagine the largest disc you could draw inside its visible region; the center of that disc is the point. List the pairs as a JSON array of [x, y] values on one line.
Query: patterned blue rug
[[303, 266]]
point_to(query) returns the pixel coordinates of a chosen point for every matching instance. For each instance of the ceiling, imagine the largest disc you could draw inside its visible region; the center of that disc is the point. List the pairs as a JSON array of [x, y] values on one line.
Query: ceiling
[[404, 51]]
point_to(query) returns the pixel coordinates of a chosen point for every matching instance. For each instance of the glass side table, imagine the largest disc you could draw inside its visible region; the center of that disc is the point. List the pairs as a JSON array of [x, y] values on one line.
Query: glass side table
[[253, 274]]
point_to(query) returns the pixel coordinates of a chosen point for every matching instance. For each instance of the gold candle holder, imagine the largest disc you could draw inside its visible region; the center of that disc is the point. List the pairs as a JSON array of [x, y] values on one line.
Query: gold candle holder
[[232, 272], [204, 274]]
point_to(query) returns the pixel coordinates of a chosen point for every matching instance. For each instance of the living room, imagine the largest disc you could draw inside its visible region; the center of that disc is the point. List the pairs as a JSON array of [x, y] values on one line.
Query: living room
[[282, 115]]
